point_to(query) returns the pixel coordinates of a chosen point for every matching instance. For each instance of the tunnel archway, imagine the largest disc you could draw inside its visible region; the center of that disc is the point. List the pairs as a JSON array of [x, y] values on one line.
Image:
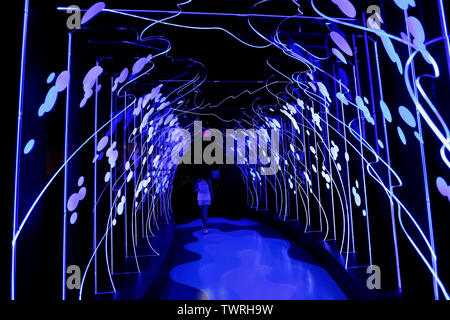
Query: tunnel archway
[[227, 185], [330, 123]]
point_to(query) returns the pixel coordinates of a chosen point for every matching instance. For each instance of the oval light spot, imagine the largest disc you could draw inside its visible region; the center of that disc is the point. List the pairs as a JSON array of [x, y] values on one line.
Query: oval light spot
[[51, 77], [62, 81], [346, 7], [407, 116], [385, 110], [92, 12], [341, 43], [73, 218], [401, 135], [29, 146], [339, 55], [102, 143]]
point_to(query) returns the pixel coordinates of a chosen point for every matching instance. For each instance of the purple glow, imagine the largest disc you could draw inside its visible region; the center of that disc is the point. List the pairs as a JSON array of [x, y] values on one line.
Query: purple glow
[[346, 7], [339, 55], [52, 95], [139, 65], [416, 29], [88, 83], [75, 198], [443, 187], [80, 181], [50, 101], [341, 43], [92, 12], [404, 4], [62, 81], [73, 218], [102, 143], [248, 264]]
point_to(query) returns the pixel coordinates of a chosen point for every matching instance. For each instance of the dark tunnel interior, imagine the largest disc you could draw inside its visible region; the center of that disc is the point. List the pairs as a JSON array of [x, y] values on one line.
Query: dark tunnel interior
[[319, 128]]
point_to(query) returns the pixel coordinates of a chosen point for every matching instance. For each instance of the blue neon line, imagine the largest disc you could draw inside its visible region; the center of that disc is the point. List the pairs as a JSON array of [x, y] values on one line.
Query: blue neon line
[[410, 217], [125, 177], [369, 168], [445, 141], [66, 147], [110, 186], [56, 174], [244, 15], [369, 69], [388, 156], [361, 138], [308, 213], [109, 225], [175, 14], [18, 146], [253, 186], [424, 166], [445, 32], [94, 217], [190, 27], [317, 173], [331, 176], [355, 26], [106, 241]]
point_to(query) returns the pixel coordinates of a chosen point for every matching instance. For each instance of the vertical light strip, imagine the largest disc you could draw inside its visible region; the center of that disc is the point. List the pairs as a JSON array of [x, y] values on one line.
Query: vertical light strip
[[308, 213], [317, 173], [18, 147], [286, 204], [445, 32], [369, 70], [265, 192], [330, 169], [349, 212], [143, 177], [125, 148], [294, 142], [135, 179], [388, 159], [94, 218], [362, 135], [66, 146], [424, 164], [111, 115]]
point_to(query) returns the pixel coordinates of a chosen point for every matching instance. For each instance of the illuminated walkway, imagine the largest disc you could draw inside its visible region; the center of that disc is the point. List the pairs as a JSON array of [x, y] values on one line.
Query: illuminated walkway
[[242, 259]]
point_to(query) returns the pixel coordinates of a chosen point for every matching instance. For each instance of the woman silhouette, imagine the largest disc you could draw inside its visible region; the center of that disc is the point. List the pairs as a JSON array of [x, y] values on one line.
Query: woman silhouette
[[204, 197]]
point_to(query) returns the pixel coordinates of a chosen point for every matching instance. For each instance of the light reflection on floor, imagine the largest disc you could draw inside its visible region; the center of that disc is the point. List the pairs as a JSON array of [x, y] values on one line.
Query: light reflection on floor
[[251, 261]]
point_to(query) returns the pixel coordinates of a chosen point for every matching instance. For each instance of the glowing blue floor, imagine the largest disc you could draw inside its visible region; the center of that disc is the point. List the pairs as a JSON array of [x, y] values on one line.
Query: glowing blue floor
[[242, 259]]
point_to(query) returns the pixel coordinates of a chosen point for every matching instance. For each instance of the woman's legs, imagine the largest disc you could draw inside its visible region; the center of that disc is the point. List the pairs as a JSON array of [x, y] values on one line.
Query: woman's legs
[[204, 218], [205, 215]]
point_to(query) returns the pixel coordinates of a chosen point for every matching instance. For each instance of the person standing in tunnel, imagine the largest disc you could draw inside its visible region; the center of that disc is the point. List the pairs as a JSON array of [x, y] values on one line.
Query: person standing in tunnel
[[204, 197]]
